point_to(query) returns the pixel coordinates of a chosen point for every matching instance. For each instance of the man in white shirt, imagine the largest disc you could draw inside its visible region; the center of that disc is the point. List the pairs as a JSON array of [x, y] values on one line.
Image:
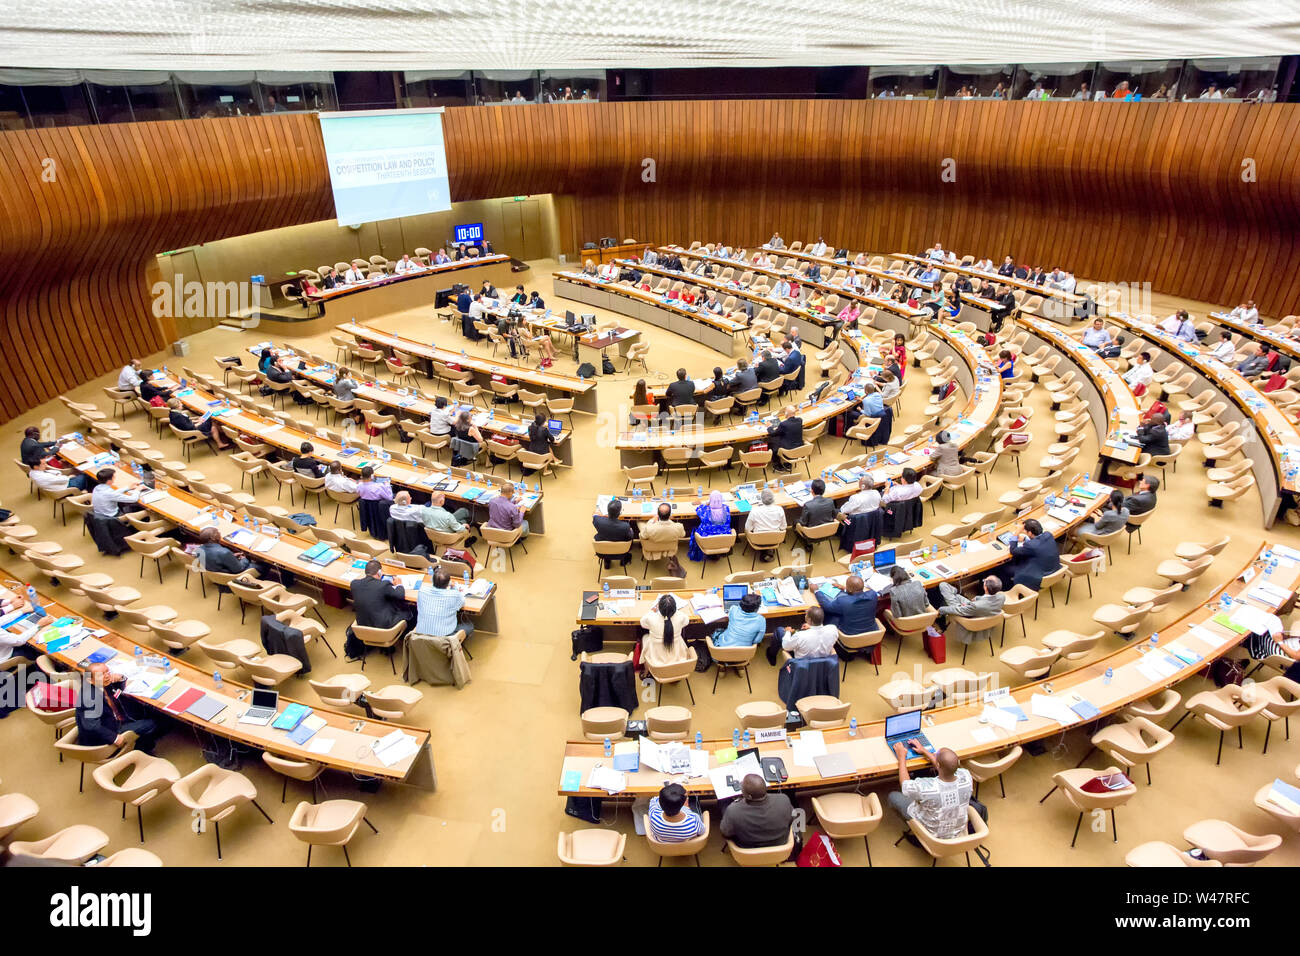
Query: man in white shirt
[[1225, 351], [46, 478], [337, 481], [650, 258], [1061, 281], [441, 258], [906, 488], [441, 417], [765, 516], [865, 499], [815, 639], [1140, 374], [105, 499], [354, 274], [609, 271], [819, 248], [781, 290], [406, 264], [1181, 431], [128, 380], [984, 265], [476, 308], [776, 242], [935, 253], [403, 510], [1246, 312], [1097, 338], [1186, 332]]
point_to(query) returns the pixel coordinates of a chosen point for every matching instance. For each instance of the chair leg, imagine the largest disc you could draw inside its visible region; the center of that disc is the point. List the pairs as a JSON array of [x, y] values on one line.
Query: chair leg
[[139, 819], [217, 829], [1077, 824], [347, 858], [262, 812], [309, 854], [691, 692], [867, 842], [1114, 829]]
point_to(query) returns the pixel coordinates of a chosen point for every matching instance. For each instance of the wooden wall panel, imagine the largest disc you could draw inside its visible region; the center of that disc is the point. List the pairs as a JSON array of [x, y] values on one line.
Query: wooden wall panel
[[1149, 192]]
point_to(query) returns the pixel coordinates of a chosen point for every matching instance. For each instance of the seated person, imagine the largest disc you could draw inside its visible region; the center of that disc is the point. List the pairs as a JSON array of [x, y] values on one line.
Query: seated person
[[853, 610], [436, 517], [32, 449], [371, 488], [866, 499], [46, 478], [107, 501], [671, 821], [818, 509], [1143, 498], [659, 535], [217, 557], [663, 643], [337, 481], [205, 426], [304, 464], [1034, 555], [1153, 435], [1096, 337], [101, 712], [767, 515], [745, 625], [937, 803], [1113, 517], [814, 638], [504, 511], [610, 527], [758, 818], [439, 607], [378, 603], [986, 604]]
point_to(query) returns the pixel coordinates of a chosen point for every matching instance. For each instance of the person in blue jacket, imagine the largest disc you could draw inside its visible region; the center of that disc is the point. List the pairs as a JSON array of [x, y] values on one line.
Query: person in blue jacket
[[852, 610], [1034, 554], [745, 626]]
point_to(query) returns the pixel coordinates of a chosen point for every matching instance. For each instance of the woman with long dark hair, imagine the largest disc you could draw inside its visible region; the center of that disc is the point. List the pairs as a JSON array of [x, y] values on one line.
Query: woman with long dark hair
[[664, 643]]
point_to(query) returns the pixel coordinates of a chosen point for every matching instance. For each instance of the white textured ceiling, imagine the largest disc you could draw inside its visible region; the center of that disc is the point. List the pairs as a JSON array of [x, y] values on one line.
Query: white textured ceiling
[[542, 34]]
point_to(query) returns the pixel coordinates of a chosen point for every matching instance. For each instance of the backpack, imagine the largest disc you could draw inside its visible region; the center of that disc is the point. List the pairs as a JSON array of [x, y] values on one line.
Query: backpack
[[586, 370], [607, 365]]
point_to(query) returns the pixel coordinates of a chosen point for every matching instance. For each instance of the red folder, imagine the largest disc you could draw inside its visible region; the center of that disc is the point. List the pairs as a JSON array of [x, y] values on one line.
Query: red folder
[[183, 702]]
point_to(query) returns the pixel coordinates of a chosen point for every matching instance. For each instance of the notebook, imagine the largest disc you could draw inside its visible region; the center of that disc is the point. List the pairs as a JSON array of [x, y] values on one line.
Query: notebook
[[206, 708], [836, 764]]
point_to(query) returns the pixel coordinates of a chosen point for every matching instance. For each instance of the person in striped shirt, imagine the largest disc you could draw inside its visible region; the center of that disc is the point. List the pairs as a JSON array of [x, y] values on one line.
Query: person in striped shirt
[[670, 821]]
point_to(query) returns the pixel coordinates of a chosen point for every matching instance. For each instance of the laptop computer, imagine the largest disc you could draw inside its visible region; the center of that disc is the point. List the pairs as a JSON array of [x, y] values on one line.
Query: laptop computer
[[555, 425], [883, 560], [265, 703], [839, 763], [732, 593], [900, 728]]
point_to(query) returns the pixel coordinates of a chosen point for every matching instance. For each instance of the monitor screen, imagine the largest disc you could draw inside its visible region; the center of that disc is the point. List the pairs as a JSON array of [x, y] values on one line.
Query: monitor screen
[[734, 592], [908, 722], [555, 425], [884, 559]]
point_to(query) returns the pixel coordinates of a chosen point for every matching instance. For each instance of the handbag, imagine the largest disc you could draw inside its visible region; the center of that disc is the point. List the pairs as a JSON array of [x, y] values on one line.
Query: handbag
[[818, 851], [674, 568]]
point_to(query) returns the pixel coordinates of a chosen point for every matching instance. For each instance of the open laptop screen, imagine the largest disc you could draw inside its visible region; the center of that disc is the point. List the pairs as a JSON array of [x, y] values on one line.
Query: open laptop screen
[[883, 559], [734, 592], [908, 722], [266, 698]]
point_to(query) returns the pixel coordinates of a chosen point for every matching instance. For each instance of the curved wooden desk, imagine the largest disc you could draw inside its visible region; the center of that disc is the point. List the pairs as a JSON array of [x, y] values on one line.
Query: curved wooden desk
[[826, 262], [1112, 403], [1057, 305], [192, 513], [1134, 679], [288, 438], [717, 332], [397, 293], [582, 391], [1275, 455], [1259, 333], [410, 403], [353, 737]]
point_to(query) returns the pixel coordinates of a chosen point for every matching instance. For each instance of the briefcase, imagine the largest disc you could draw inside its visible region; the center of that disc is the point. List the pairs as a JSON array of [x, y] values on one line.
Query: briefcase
[[936, 645]]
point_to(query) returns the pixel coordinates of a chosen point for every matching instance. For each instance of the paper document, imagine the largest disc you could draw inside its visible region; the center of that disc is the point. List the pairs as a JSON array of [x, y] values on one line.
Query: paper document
[[726, 780], [1000, 718], [809, 745]]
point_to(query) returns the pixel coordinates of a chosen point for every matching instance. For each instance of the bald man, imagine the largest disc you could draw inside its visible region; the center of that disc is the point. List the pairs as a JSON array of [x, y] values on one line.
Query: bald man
[[787, 433], [852, 610], [937, 803], [101, 714], [758, 818]]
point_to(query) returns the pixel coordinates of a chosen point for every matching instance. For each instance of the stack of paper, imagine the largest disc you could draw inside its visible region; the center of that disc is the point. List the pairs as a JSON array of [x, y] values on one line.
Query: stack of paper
[[395, 747], [809, 745], [1053, 708], [607, 779], [726, 780]]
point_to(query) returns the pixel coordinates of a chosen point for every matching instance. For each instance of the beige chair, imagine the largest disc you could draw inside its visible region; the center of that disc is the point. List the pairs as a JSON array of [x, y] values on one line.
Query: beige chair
[[1071, 783], [1157, 853], [912, 626], [847, 816], [331, 823], [499, 539], [731, 658], [1133, 743], [906, 694], [1230, 845], [691, 847], [1283, 697], [592, 847], [69, 746], [1154, 708], [1231, 706], [1030, 663], [821, 711], [1072, 646], [668, 723], [135, 778], [1121, 618], [757, 714], [227, 655], [212, 794], [760, 541], [1279, 807], [394, 702], [1019, 600], [985, 768], [673, 674], [304, 771], [383, 638], [15, 810], [72, 845], [939, 849], [856, 644], [270, 670], [599, 723], [764, 855]]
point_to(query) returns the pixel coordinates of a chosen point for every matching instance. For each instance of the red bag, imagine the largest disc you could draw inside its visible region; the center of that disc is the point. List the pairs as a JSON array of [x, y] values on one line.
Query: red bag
[[454, 367], [463, 555], [55, 696], [861, 548], [936, 645], [758, 446], [818, 851]]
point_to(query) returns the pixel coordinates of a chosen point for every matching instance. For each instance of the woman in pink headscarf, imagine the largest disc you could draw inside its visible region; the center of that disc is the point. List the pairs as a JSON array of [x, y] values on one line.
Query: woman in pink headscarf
[[848, 316], [715, 518]]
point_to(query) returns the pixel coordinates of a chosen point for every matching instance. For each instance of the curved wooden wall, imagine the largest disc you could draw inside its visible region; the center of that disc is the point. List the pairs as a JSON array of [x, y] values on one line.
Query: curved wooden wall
[[1150, 192]]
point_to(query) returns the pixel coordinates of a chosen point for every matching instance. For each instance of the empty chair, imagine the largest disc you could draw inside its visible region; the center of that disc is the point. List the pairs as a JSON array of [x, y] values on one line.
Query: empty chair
[[1030, 663], [15, 810], [73, 845], [846, 816], [1230, 845], [668, 723], [592, 847], [1157, 853], [985, 768], [1156, 707], [304, 771], [135, 778], [330, 823], [1072, 783], [756, 714], [599, 723], [393, 702], [1133, 743], [1231, 706], [822, 711], [213, 794]]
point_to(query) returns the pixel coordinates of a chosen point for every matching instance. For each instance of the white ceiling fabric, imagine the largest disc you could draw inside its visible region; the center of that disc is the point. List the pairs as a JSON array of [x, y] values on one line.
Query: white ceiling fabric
[[243, 35]]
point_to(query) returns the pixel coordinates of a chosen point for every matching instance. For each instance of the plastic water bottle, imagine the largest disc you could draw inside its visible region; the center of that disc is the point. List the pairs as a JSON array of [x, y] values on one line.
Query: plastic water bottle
[[606, 589], [853, 726], [963, 545], [1110, 673], [1155, 638], [216, 679], [466, 577], [609, 748], [699, 740], [735, 736], [700, 491], [139, 653]]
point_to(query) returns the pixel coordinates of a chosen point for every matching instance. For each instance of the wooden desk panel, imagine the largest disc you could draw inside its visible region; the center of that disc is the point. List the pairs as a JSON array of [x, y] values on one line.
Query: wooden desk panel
[[351, 753], [604, 254], [583, 392], [1259, 333], [376, 298], [954, 727], [1065, 302]]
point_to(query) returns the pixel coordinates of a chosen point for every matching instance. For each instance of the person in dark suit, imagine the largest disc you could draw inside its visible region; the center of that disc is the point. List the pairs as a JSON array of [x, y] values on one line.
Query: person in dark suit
[[682, 391], [101, 715], [609, 527], [1143, 498], [540, 439], [376, 603], [1007, 304], [769, 368], [787, 434], [463, 302], [1153, 436], [818, 509], [794, 361], [304, 464], [853, 610], [32, 448], [217, 557], [205, 426], [1034, 555], [745, 378]]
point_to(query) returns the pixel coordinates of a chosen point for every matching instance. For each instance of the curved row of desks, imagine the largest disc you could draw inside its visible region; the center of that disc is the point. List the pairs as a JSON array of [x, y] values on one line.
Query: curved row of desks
[[351, 739], [1274, 446], [1138, 672], [1258, 333], [582, 391], [396, 293], [469, 487], [1111, 402], [412, 403], [715, 331], [283, 550], [785, 269], [1057, 305]]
